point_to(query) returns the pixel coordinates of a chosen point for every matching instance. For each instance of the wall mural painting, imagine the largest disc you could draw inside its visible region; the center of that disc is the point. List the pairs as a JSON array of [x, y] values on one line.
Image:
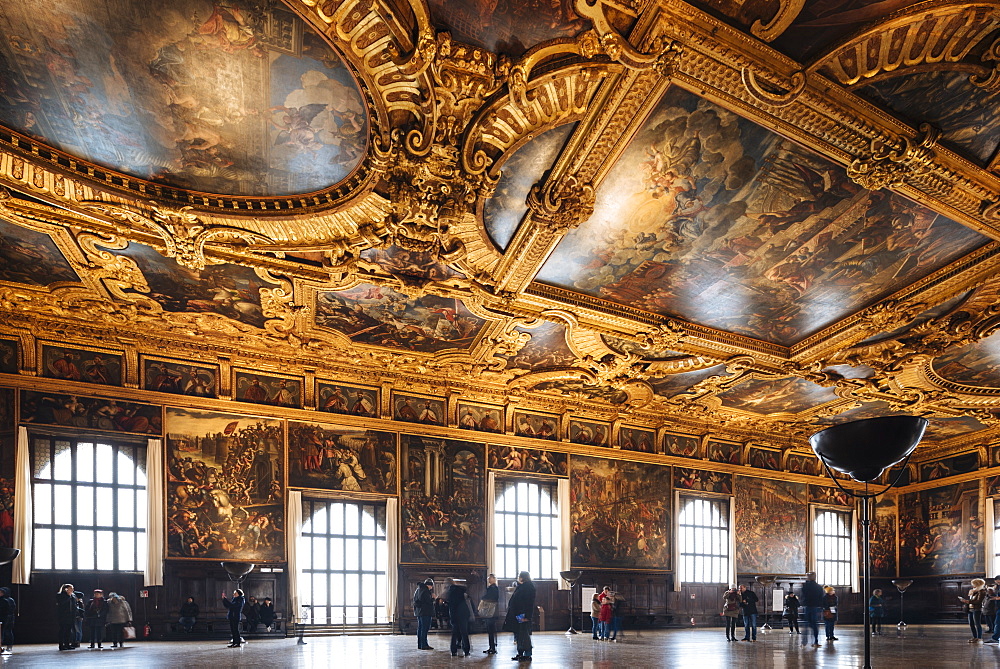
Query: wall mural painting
[[27, 256], [337, 398], [443, 500], [589, 432], [957, 464], [940, 531], [272, 390], [514, 459], [480, 418], [771, 519], [724, 451], [973, 365], [765, 458], [967, 114], [675, 384], [539, 426], [636, 439], [902, 472], [236, 97], [802, 464], [506, 27], [696, 479], [180, 378], [945, 428], [883, 538], [74, 364], [413, 409], [403, 262], [380, 316], [225, 486], [620, 513], [331, 457], [226, 290], [821, 494], [503, 212], [8, 356], [546, 348], [93, 413], [714, 219], [766, 396]]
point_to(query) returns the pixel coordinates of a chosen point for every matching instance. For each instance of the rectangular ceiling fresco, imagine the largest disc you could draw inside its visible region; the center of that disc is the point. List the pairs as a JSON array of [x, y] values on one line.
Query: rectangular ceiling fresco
[[31, 257], [507, 27], [711, 218]]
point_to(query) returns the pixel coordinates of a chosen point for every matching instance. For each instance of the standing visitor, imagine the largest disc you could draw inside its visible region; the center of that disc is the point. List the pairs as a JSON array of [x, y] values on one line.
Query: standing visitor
[[423, 609], [96, 615], [790, 612], [520, 614], [8, 609], [459, 613], [66, 615], [189, 614], [488, 612], [607, 604], [830, 611], [812, 600], [235, 611], [748, 603], [974, 607], [595, 615], [78, 622], [876, 607], [996, 613], [441, 612], [617, 613], [119, 615], [990, 611], [267, 614], [731, 611]]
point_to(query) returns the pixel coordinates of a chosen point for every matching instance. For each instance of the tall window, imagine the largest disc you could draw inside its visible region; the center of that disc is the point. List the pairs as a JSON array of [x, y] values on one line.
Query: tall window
[[526, 529], [343, 557], [704, 540], [832, 546], [89, 504]]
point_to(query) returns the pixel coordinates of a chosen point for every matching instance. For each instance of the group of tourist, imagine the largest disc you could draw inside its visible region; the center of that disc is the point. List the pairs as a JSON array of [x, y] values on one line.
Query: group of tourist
[[817, 601], [982, 604], [96, 614], [462, 614], [606, 610]]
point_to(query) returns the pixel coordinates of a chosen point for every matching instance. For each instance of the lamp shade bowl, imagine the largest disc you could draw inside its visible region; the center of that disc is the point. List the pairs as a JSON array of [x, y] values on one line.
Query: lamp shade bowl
[[237, 570], [863, 449], [8, 554]]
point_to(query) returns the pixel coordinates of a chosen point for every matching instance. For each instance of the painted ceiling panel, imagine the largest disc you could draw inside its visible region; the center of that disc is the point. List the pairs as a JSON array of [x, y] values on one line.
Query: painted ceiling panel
[[235, 98], [712, 218], [379, 315], [777, 396], [675, 384], [974, 365], [506, 27], [546, 348], [31, 257]]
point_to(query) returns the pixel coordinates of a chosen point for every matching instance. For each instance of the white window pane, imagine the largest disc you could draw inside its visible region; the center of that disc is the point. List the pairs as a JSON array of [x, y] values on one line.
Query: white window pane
[[351, 522], [62, 501], [321, 590], [126, 551], [104, 456], [63, 549], [368, 522], [141, 512], [84, 462], [43, 549], [336, 555], [141, 550], [368, 559], [105, 507], [126, 508], [336, 520], [351, 591], [43, 504], [319, 554], [351, 555], [105, 549], [85, 508], [126, 469], [305, 552], [369, 593], [62, 466]]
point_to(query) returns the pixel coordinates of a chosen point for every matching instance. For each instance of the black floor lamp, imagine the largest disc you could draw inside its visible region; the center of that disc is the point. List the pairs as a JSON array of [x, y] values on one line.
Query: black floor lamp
[[571, 577], [863, 449], [901, 585], [767, 582]]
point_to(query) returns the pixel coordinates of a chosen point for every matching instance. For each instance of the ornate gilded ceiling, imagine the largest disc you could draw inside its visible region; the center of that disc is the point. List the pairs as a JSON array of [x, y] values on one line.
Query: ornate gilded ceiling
[[750, 217]]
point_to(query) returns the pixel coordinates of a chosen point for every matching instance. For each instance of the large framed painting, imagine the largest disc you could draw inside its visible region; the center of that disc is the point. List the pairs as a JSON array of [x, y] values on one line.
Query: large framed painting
[[883, 538], [765, 458], [620, 514], [8, 356], [771, 521], [536, 425], [956, 464], [636, 439], [798, 463], [443, 500], [940, 531], [821, 494], [180, 378], [279, 391], [589, 432], [994, 452], [417, 409], [480, 418], [76, 364], [92, 413], [681, 445], [225, 486], [515, 459], [332, 457], [724, 451], [695, 479], [353, 400]]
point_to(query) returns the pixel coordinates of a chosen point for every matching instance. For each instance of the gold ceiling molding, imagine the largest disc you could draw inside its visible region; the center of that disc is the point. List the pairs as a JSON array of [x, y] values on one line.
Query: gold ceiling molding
[[894, 161]]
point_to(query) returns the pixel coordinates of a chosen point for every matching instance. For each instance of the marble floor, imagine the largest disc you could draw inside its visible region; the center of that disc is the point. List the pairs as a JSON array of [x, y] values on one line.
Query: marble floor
[[926, 647]]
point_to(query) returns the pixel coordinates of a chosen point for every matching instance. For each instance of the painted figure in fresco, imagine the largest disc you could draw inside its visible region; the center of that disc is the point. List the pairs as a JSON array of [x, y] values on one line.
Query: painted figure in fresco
[[165, 379], [428, 415], [363, 405], [65, 367], [97, 371], [334, 401], [255, 392], [283, 396], [489, 422], [468, 421]]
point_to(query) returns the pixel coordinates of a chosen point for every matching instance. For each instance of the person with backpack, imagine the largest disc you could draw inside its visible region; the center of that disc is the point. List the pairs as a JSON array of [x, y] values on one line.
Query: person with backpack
[[423, 609]]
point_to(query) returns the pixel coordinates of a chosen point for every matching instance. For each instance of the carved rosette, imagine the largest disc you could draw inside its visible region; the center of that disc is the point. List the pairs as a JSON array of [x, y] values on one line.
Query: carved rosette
[[561, 206]]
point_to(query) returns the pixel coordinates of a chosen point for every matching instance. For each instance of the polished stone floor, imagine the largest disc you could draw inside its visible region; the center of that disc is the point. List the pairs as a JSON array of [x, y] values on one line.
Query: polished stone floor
[[923, 648]]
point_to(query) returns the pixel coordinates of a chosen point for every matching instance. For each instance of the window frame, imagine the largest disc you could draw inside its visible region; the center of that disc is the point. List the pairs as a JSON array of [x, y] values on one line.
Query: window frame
[[535, 551], [725, 503], [849, 564], [45, 546]]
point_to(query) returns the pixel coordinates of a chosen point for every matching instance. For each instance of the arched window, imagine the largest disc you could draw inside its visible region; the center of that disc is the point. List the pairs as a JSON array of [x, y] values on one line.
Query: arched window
[[89, 504], [526, 529], [704, 540], [343, 558], [832, 546]]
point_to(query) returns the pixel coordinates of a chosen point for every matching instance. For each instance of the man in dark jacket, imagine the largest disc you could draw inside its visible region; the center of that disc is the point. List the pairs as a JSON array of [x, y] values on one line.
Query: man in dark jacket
[[812, 601], [8, 609], [235, 611], [748, 605], [459, 613], [423, 609], [520, 613]]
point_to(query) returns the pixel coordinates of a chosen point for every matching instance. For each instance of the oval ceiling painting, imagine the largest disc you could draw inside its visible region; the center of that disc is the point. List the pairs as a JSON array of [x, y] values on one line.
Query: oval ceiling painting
[[233, 98]]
